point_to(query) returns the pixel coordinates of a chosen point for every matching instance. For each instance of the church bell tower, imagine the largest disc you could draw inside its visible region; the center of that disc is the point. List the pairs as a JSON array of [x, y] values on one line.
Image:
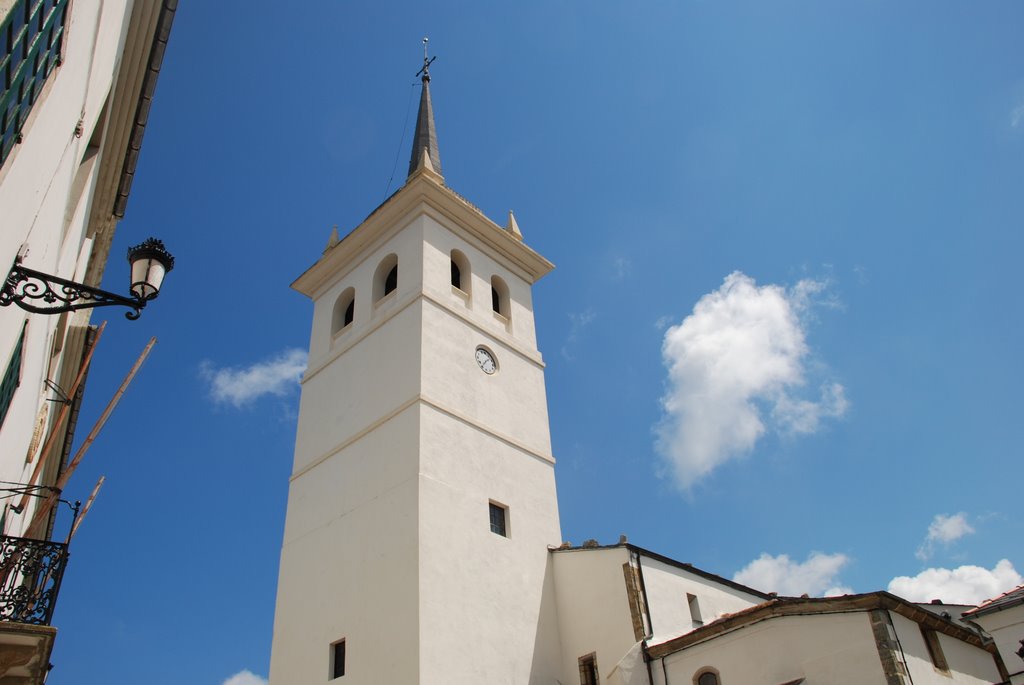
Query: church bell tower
[[422, 498]]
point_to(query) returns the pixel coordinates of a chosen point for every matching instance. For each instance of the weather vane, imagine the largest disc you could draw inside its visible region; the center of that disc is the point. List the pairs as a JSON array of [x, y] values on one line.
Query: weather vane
[[425, 69]]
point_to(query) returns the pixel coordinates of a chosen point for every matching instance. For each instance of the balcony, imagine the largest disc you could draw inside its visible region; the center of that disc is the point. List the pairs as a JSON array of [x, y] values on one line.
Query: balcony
[[30, 576]]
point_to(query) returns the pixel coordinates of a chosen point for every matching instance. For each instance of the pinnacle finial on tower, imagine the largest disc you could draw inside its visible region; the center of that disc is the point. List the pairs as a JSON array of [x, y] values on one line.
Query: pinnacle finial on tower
[[513, 226], [425, 136]]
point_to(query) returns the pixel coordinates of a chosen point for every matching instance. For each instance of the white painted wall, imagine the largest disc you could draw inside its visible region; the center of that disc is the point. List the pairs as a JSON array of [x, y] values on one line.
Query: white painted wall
[[349, 563], [442, 236], [667, 586], [47, 185], [834, 648], [593, 608], [486, 606], [402, 443], [967, 664], [1007, 630], [373, 366]]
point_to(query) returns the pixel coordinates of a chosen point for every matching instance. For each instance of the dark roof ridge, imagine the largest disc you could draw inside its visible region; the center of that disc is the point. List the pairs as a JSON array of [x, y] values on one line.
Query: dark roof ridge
[[671, 562], [698, 571]]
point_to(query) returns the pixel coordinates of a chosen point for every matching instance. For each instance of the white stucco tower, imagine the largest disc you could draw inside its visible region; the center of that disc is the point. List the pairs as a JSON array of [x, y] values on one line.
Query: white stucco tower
[[422, 499]]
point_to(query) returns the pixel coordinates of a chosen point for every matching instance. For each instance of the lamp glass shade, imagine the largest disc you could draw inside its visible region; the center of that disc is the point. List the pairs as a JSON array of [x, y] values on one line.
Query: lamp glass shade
[[150, 262], [147, 277]]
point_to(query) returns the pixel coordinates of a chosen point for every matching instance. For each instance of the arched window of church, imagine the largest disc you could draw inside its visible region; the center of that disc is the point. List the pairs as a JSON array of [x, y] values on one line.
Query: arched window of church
[[344, 310], [460, 271], [707, 678], [385, 279], [499, 297]]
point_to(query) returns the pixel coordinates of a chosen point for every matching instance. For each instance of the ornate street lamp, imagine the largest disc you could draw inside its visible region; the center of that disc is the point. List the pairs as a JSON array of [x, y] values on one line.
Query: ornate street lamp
[[149, 262]]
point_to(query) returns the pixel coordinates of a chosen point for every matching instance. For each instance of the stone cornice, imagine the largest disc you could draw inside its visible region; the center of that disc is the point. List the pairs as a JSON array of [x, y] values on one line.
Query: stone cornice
[[423, 192]]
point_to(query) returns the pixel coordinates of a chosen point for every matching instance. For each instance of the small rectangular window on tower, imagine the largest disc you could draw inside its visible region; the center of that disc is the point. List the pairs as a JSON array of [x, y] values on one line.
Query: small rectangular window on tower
[[337, 659], [499, 519]]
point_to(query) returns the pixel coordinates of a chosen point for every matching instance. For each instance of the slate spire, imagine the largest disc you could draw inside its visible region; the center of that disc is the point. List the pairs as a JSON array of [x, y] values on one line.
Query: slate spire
[[425, 136]]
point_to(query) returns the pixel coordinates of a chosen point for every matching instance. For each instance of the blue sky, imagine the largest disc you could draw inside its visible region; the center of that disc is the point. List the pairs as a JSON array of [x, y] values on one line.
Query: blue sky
[[792, 225]]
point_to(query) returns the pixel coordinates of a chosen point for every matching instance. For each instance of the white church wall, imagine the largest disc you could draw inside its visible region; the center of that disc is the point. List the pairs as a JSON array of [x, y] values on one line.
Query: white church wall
[[833, 648], [375, 367], [387, 501], [442, 236], [376, 378], [404, 241], [512, 401], [967, 664], [668, 587], [482, 608], [349, 563], [593, 608]]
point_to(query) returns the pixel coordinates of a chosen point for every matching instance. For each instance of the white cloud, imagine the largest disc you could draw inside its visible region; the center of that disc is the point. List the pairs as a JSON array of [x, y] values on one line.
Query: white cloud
[[245, 677], [241, 386], [1017, 116], [817, 576], [943, 530], [961, 585], [663, 322], [743, 347], [622, 267], [577, 324], [803, 416]]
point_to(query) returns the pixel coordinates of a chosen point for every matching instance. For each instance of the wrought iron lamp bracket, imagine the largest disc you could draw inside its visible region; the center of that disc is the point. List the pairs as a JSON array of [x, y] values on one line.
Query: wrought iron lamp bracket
[[25, 286]]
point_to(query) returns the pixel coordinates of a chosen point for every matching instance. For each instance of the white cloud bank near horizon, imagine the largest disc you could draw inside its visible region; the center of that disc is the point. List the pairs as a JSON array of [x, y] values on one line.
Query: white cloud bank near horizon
[[961, 585], [943, 530], [818, 576], [245, 677], [240, 386], [742, 350]]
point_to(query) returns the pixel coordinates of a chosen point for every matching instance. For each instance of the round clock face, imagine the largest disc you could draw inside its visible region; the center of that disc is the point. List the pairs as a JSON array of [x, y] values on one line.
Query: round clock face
[[486, 360]]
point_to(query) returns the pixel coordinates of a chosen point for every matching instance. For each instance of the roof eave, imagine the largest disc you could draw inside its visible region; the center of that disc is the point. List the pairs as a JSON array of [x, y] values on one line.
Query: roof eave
[[791, 606]]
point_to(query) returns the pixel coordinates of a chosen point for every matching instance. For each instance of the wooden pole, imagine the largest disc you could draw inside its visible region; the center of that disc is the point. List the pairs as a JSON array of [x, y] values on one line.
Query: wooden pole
[[63, 413], [85, 509], [44, 509]]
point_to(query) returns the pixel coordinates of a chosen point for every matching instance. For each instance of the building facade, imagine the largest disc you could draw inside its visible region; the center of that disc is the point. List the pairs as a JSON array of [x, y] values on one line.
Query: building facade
[[77, 81]]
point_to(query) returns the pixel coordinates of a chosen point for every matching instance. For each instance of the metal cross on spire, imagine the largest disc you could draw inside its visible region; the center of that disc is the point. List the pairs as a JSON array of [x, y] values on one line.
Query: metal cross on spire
[[425, 69]]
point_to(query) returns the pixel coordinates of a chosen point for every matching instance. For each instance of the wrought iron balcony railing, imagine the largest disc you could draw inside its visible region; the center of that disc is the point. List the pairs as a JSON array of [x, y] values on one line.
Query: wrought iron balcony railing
[[30, 575], [31, 38]]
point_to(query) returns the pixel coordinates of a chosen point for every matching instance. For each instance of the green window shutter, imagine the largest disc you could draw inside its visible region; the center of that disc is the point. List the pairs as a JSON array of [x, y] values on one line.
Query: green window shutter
[[31, 44], [12, 377]]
